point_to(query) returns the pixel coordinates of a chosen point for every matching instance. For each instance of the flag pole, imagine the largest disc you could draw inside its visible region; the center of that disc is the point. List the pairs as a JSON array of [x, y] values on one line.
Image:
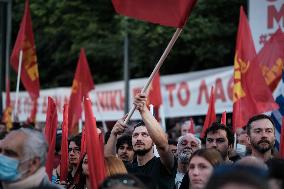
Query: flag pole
[[156, 69], [18, 83]]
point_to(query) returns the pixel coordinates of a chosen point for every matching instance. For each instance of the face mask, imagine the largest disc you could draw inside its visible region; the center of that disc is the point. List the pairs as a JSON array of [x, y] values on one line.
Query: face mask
[[9, 169], [241, 150]]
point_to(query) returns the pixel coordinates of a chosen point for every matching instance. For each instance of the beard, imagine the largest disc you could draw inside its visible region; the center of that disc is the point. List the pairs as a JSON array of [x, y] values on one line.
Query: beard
[[142, 152], [184, 157], [262, 149]]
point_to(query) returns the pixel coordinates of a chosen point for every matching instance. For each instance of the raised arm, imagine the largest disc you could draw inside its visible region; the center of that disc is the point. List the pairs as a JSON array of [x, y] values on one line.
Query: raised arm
[[110, 146], [155, 131]]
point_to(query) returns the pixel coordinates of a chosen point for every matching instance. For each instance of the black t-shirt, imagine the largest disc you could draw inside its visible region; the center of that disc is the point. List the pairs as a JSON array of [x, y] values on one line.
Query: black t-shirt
[[156, 171]]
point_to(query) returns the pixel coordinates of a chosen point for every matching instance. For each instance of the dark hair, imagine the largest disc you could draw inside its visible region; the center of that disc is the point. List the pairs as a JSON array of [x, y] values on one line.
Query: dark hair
[[76, 139], [124, 139], [276, 167], [237, 174], [172, 142], [256, 118], [122, 179], [140, 123], [215, 126], [79, 177]]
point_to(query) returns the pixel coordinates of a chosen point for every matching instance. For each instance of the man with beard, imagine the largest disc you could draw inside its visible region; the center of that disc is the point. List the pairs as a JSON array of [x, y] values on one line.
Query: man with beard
[[187, 144], [220, 137], [260, 129], [162, 170]]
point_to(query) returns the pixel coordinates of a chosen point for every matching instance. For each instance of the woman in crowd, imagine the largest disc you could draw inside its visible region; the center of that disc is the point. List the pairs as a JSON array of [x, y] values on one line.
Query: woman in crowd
[[201, 164]]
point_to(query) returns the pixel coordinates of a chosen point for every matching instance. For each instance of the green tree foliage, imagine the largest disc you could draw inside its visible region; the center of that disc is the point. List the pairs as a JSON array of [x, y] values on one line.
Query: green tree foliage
[[62, 27]]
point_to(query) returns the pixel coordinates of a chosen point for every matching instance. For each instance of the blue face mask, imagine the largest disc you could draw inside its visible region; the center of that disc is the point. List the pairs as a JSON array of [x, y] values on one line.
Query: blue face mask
[[9, 169]]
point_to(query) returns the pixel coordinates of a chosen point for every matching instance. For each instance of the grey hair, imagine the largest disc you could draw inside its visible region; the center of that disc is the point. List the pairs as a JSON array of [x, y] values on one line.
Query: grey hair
[[35, 145], [190, 135]]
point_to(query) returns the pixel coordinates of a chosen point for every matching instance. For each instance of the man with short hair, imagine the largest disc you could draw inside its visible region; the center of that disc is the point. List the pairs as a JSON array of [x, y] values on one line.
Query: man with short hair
[[187, 144], [22, 160], [147, 133], [124, 148], [260, 129], [220, 137]]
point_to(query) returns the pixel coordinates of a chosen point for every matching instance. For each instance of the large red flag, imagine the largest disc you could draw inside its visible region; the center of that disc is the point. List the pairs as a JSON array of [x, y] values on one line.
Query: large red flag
[[25, 42], [271, 58], [211, 114], [82, 84], [64, 146], [94, 148], [173, 13], [251, 94], [50, 134]]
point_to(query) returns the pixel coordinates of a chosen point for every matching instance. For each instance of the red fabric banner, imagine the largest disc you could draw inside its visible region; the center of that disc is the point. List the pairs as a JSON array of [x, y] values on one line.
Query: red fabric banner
[[251, 95], [64, 146], [211, 114], [224, 118], [50, 134], [94, 148], [271, 58], [25, 42], [82, 84], [173, 13]]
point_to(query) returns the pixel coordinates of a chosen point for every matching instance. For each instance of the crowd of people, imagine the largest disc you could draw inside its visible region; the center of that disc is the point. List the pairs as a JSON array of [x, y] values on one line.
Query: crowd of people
[[143, 156]]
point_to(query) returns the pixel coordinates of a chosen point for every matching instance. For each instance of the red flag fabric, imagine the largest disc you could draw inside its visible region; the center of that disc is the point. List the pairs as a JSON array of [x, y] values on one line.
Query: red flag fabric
[[25, 42], [281, 148], [83, 142], [224, 118], [7, 114], [64, 146], [94, 149], [251, 95], [32, 117], [82, 84], [271, 58], [211, 115], [173, 13], [191, 126], [155, 96], [50, 134]]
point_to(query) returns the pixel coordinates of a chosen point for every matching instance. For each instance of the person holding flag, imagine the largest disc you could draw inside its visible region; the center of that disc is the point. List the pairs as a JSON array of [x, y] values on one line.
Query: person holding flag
[[144, 136]]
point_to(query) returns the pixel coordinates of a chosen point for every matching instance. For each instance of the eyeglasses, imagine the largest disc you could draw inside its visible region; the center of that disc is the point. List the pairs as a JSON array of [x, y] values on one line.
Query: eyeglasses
[[75, 150], [120, 181]]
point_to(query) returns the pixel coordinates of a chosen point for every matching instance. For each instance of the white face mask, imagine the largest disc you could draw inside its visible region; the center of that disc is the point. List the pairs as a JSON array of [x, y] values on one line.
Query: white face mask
[[241, 150]]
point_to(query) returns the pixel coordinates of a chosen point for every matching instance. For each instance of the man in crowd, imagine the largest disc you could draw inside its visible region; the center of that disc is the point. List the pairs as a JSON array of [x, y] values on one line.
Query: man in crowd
[[187, 144], [124, 148], [163, 169], [185, 128], [173, 146], [22, 160], [220, 137], [260, 129]]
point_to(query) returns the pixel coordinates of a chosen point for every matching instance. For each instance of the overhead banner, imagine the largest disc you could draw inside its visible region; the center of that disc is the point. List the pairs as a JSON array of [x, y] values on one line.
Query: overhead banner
[[183, 95], [265, 17]]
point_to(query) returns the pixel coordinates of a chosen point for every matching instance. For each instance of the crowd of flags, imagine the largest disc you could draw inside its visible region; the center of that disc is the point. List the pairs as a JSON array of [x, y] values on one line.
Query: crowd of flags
[[255, 78]]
